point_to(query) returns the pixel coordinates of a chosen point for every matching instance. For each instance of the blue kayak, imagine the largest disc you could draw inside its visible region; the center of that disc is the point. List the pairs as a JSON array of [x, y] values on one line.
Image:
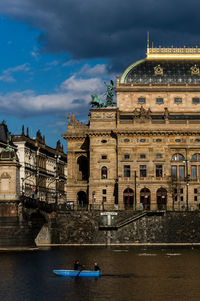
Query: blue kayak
[[74, 273]]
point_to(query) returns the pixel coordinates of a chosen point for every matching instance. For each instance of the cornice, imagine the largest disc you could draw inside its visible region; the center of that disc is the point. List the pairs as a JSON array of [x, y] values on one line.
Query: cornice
[[156, 132], [157, 88]]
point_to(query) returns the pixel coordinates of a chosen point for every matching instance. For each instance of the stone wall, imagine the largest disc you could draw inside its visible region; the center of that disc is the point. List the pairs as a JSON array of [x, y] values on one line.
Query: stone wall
[[83, 228]]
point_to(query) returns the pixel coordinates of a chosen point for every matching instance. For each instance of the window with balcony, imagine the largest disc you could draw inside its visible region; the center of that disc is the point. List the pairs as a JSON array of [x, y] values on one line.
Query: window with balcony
[[143, 171]]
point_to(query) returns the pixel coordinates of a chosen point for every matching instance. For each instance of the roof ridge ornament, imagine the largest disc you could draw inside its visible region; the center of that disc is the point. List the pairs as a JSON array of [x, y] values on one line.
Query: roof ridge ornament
[[154, 53], [194, 70]]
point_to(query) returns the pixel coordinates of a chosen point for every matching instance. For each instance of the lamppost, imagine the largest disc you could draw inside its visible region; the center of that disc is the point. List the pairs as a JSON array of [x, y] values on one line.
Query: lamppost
[[135, 177], [187, 179], [57, 177], [36, 172]]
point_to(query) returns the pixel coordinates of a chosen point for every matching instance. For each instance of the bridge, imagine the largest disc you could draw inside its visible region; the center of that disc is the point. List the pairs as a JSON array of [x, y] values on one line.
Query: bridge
[[21, 220]]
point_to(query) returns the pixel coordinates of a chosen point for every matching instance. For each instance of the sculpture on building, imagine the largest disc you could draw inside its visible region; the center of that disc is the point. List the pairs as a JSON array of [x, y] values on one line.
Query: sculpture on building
[[97, 101]]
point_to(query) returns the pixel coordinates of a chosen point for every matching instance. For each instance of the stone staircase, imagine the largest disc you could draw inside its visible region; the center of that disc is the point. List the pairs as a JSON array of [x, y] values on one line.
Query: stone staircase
[[124, 221]]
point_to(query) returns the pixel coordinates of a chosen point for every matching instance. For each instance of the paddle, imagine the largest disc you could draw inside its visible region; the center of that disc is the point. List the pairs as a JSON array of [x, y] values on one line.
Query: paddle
[[81, 268], [77, 275]]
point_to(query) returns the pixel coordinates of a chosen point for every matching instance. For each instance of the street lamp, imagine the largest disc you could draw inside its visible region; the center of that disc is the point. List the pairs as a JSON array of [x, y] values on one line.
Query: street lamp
[[187, 179], [57, 157]]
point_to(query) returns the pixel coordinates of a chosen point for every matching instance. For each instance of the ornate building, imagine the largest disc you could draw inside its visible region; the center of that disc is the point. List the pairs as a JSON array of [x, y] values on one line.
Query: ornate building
[[145, 152], [43, 171]]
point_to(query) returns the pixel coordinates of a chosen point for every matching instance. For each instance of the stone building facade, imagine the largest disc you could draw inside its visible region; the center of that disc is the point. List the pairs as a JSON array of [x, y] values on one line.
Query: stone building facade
[[43, 170], [145, 152]]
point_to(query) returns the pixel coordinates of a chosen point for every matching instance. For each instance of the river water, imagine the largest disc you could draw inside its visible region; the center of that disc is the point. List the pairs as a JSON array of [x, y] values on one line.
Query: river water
[[129, 273]]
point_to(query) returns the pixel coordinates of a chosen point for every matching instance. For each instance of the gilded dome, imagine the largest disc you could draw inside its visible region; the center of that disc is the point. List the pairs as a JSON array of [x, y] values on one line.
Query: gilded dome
[[165, 66]]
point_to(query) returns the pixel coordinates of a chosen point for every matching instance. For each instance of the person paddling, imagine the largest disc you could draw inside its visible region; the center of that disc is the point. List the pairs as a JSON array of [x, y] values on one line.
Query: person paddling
[[96, 267], [77, 265]]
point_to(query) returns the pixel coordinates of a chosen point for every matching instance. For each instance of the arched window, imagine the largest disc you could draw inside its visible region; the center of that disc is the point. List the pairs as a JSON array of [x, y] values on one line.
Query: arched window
[[178, 157], [104, 172], [196, 157]]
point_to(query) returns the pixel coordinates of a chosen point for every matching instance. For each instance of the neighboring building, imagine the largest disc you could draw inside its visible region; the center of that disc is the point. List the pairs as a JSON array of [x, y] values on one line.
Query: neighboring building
[[9, 172], [43, 171], [144, 153]]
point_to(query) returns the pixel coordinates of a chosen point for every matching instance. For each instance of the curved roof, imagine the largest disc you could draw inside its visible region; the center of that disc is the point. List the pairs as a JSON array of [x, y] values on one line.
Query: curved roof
[[163, 71]]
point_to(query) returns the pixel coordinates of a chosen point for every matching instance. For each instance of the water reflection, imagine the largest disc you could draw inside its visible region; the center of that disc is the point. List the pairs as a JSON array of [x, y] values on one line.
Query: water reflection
[[128, 274]]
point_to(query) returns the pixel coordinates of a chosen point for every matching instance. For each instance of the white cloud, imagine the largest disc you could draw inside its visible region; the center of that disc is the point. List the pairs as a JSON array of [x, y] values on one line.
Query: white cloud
[[81, 85], [73, 95], [7, 76], [97, 70]]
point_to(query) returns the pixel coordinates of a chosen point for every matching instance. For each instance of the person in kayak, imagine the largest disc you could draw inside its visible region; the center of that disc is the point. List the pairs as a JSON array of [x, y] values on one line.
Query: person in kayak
[[77, 265], [96, 267]]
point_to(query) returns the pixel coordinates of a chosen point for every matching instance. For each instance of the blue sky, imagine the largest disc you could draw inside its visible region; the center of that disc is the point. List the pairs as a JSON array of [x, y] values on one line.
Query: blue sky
[[28, 75], [56, 53]]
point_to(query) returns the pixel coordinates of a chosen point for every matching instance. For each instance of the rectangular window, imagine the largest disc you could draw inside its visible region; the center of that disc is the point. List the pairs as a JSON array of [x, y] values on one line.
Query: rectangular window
[[104, 199], [181, 198], [195, 100], [181, 171], [195, 190], [127, 171], [159, 100], [193, 171], [104, 191], [143, 171], [195, 198], [158, 171], [126, 156], [158, 156], [104, 157], [141, 100], [181, 191], [177, 100], [142, 156], [174, 171]]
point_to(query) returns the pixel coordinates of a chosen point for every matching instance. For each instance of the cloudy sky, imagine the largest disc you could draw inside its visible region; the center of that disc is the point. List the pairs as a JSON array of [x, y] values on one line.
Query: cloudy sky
[[56, 53]]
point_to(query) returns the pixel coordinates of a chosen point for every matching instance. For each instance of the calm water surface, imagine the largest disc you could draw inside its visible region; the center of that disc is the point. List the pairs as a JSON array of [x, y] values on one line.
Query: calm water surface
[[128, 274]]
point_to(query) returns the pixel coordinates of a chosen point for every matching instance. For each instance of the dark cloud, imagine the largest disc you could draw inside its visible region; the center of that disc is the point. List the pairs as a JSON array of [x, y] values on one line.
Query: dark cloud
[[115, 30]]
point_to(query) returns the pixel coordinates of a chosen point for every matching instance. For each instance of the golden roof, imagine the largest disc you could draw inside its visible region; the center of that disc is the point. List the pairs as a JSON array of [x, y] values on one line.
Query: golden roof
[[172, 53]]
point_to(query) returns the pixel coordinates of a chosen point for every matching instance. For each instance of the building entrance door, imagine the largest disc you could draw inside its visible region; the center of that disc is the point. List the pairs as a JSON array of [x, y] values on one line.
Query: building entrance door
[[82, 199], [161, 198], [145, 198], [128, 198]]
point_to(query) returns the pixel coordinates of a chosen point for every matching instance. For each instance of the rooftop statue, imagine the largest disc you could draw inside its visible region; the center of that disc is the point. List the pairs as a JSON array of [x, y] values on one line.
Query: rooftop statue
[[98, 102], [109, 94]]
